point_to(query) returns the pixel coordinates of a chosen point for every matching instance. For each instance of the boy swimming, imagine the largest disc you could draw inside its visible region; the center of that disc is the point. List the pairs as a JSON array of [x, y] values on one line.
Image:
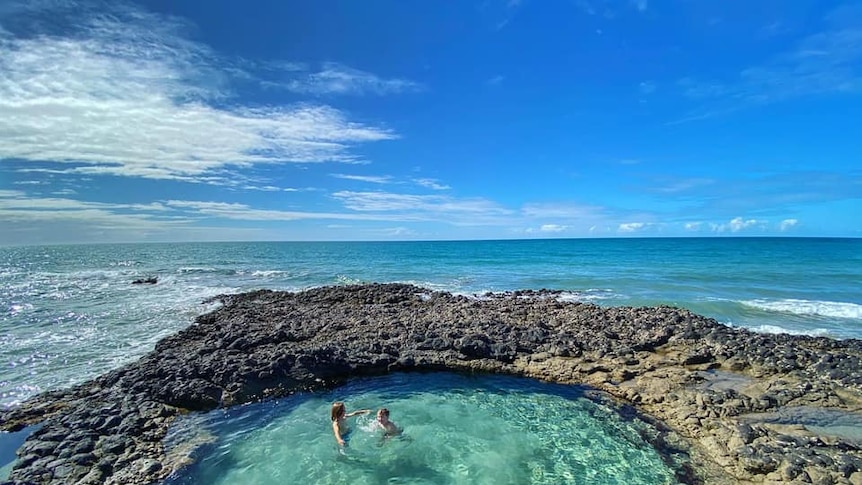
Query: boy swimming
[[389, 428]]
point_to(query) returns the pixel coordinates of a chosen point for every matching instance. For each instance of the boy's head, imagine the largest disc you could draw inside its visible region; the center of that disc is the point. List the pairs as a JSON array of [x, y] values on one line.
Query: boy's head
[[383, 415], [337, 410]]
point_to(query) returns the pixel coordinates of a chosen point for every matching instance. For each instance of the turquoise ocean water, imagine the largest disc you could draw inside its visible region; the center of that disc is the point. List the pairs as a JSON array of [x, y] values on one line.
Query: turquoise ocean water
[[69, 313]]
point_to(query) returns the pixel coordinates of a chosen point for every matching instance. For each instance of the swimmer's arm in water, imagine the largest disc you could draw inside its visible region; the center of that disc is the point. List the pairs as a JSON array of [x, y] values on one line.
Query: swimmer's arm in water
[[356, 413]]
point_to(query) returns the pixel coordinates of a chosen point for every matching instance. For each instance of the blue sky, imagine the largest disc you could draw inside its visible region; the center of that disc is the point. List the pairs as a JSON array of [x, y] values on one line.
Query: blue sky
[[339, 120]]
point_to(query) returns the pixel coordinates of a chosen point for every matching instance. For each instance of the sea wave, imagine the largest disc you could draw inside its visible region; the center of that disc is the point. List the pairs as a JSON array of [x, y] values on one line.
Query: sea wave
[[268, 273], [775, 329], [347, 280], [833, 309], [196, 269], [16, 308], [588, 295]]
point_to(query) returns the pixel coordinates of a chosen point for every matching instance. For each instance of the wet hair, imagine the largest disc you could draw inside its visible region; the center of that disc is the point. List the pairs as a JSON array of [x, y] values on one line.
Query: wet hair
[[384, 412], [337, 410]]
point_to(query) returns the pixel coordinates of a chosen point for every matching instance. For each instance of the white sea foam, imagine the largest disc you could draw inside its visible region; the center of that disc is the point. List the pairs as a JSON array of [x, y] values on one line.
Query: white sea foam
[[588, 295], [18, 308], [347, 280], [834, 309], [775, 329], [196, 269], [268, 273], [92, 274]]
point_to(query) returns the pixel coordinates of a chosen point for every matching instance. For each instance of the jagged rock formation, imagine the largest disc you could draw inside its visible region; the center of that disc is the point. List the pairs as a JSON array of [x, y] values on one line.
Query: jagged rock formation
[[715, 390]]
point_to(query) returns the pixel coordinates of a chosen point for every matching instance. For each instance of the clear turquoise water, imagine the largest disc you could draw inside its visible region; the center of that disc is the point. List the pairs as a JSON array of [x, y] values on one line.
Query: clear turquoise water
[[69, 313], [457, 430]]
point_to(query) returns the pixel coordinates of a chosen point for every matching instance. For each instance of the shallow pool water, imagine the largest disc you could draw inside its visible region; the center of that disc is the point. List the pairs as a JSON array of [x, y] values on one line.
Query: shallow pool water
[[456, 430]]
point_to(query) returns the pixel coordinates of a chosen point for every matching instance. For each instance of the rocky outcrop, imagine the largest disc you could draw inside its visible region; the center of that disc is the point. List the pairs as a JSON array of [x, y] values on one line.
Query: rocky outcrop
[[709, 386], [146, 281]]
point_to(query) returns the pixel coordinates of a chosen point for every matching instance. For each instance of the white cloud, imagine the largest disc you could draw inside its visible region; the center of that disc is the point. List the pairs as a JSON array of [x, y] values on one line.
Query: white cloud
[[269, 188], [35, 220], [236, 211], [693, 226], [399, 232], [46, 219], [431, 184], [685, 185], [335, 78], [124, 92], [738, 224], [441, 208], [387, 201], [647, 87], [561, 211], [632, 226], [375, 179], [788, 224], [594, 230], [553, 228]]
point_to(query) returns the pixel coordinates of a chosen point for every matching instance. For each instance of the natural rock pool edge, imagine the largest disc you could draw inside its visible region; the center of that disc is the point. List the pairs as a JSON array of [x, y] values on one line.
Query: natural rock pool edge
[[264, 344]]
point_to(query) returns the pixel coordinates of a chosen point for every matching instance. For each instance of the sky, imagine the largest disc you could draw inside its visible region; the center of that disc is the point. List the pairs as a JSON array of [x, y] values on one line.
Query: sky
[[220, 120]]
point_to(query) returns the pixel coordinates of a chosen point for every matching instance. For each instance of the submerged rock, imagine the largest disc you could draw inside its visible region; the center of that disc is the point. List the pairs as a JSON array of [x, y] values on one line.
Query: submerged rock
[[704, 384], [146, 281]]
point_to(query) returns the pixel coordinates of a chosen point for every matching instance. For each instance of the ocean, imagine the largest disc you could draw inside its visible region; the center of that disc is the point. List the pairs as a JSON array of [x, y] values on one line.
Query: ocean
[[70, 313]]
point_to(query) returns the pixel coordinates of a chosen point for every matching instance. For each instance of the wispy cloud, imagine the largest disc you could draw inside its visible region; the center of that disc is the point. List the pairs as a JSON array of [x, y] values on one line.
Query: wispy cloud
[[41, 220], [269, 188], [647, 87], [125, 92], [738, 224], [19, 212], [553, 228], [563, 211], [763, 193], [387, 201], [495, 80], [339, 79], [399, 232], [787, 224], [628, 227], [374, 179], [685, 185], [441, 208], [244, 212], [432, 184], [502, 12], [826, 62], [610, 9]]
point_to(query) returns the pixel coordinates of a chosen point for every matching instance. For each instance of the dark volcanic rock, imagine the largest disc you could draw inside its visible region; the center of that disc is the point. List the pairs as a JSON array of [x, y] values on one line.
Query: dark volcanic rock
[[146, 281], [263, 344]]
